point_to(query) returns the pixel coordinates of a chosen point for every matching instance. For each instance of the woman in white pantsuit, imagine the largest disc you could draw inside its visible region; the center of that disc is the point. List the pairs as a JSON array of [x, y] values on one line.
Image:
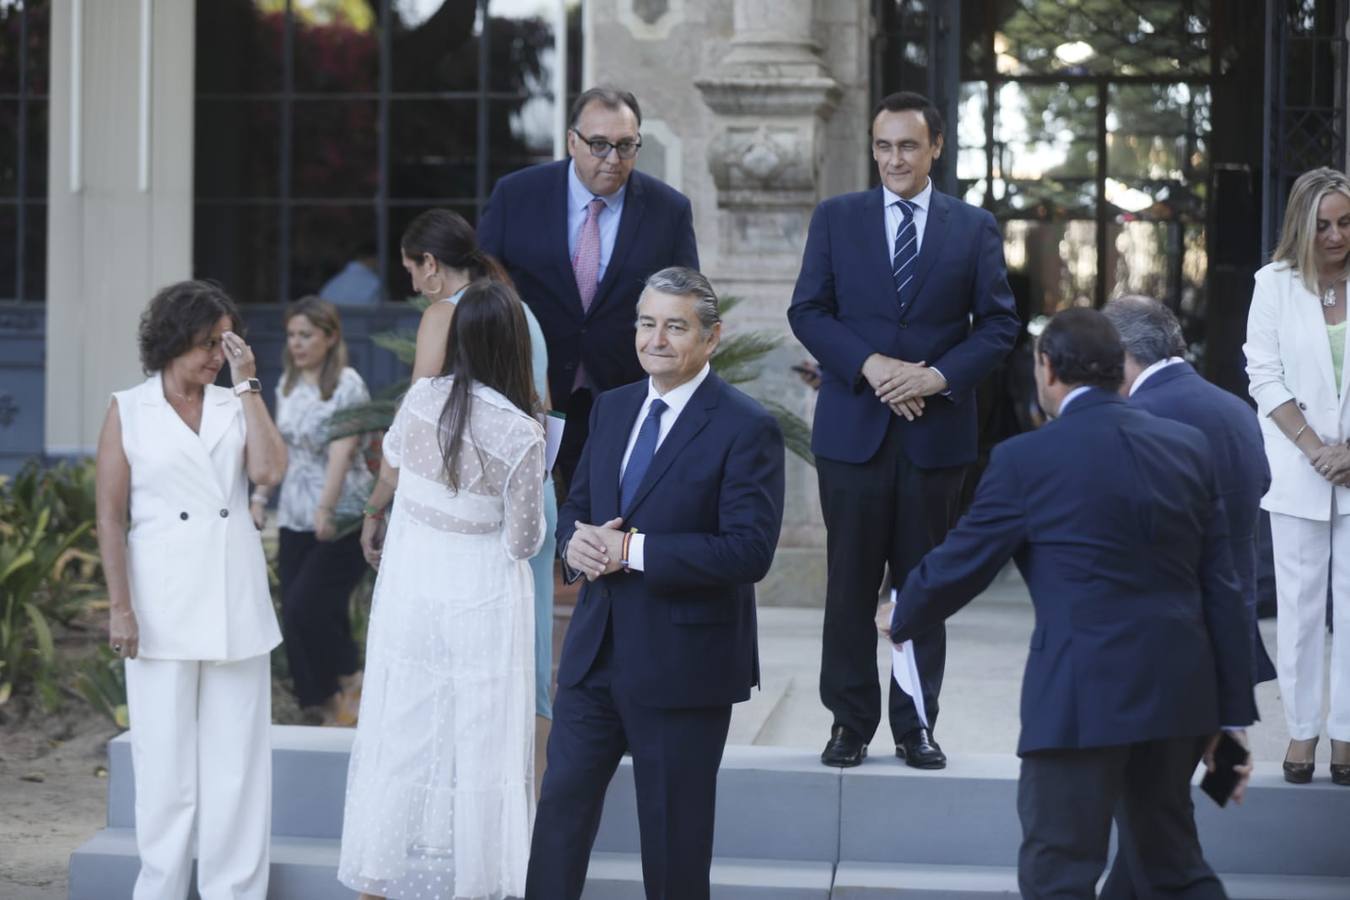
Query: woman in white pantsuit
[[1296, 348], [187, 586]]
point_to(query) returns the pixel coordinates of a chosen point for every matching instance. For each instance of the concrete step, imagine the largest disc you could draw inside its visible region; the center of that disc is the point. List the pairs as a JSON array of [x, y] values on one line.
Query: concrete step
[[881, 881], [105, 867]]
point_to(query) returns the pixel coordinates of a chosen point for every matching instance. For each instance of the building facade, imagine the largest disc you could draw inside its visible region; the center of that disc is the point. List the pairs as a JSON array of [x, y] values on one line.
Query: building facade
[[1123, 145]]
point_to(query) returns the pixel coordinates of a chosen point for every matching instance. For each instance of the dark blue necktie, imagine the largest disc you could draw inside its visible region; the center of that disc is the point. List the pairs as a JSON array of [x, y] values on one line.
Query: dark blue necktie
[[644, 448], [906, 253]]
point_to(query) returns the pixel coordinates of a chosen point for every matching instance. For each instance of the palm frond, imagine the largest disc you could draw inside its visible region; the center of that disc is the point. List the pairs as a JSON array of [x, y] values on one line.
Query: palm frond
[[737, 359], [402, 344], [377, 415], [796, 433]]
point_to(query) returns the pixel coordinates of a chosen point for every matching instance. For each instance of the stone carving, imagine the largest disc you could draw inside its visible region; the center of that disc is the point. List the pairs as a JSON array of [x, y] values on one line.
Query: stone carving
[[765, 165], [650, 11], [650, 20]]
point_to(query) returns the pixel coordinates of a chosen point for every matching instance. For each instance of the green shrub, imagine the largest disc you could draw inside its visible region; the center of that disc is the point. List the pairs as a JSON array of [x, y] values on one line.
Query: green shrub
[[49, 571]]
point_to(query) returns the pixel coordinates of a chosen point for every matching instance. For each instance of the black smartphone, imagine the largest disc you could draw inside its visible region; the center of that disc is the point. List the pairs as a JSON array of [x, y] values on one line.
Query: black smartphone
[[1220, 783]]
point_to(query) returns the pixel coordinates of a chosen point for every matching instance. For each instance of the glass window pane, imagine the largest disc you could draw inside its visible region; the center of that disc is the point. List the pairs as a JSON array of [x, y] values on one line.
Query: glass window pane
[[237, 246], [1045, 150], [337, 47], [239, 46], [433, 148], [39, 45], [520, 133], [1137, 257], [435, 45], [9, 226], [1057, 262], [9, 149], [237, 148], [35, 252], [324, 239], [37, 149], [1141, 37], [1158, 150], [522, 58], [333, 148]]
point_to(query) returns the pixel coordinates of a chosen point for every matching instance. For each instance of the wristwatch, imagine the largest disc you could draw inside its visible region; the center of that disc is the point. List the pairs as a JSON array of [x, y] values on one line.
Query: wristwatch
[[247, 385]]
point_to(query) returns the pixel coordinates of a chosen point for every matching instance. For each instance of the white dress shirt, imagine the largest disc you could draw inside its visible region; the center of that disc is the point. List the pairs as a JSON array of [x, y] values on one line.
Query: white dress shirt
[[894, 216], [578, 197], [1156, 367], [1072, 396], [676, 399]]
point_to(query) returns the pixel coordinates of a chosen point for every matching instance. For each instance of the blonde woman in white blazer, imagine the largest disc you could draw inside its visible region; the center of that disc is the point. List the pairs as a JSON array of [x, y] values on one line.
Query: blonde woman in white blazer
[[1296, 354], [190, 607]]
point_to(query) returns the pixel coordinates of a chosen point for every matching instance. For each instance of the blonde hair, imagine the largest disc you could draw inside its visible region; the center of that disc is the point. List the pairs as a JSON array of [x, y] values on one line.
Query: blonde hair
[[324, 316], [1297, 247]]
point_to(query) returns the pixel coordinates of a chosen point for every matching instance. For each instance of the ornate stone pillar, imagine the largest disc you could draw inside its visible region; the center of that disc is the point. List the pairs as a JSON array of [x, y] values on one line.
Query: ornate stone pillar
[[770, 98]]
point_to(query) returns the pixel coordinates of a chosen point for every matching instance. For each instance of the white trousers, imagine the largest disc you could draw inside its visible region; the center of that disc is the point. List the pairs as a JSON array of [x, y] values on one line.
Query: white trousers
[[1302, 550], [201, 751]]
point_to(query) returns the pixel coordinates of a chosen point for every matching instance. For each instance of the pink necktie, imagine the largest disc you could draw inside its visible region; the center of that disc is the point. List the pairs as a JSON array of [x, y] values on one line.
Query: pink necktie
[[586, 262]]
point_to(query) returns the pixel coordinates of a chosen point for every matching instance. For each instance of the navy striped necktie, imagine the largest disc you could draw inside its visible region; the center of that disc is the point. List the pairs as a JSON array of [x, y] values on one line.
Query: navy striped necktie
[[644, 448], [906, 253]]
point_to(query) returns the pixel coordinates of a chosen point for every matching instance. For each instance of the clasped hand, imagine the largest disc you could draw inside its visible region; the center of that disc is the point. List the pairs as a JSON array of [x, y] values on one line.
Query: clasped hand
[[1332, 462], [596, 550], [902, 385], [885, 613]]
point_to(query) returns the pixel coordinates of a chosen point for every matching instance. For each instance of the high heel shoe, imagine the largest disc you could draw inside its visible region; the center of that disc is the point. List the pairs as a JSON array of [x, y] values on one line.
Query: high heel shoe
[[1340, 772], [1301, 772]]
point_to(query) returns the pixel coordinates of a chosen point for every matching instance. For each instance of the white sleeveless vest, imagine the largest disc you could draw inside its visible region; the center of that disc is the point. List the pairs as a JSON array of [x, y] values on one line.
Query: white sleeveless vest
[[194, 560]]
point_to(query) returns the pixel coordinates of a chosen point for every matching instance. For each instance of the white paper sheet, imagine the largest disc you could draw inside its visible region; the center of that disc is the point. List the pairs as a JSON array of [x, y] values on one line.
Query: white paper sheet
[[553, 431], [905, 671]]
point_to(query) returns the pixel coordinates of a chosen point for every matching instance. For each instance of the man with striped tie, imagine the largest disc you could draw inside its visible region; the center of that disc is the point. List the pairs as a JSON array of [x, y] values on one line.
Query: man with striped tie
[[903, 298]]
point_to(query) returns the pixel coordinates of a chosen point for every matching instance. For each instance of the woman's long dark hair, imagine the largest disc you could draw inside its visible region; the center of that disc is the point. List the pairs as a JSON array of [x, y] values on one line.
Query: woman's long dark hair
[[489, 342], [448, 237]]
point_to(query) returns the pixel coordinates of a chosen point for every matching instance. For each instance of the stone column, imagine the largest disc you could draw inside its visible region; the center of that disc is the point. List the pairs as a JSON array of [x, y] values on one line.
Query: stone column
[[119, 222], [771, 98]]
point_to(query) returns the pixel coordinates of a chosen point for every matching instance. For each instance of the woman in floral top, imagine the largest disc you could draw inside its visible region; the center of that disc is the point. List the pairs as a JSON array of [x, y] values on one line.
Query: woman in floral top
[[326, 482]]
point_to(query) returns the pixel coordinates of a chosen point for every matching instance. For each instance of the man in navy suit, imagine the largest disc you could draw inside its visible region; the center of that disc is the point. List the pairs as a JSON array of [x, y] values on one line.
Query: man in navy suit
[[903, 298], [673, 516], [579, 237], [1159, 380], [1140, 651]]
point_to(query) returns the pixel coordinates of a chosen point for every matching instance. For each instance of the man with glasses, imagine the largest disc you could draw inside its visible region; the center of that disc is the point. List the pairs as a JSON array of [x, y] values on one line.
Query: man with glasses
[[580, 237], [903, 298]]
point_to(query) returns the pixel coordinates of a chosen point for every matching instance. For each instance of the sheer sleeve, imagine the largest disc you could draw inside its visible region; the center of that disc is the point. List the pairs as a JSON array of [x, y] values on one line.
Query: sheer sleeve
[[393, 438], [523, 502]]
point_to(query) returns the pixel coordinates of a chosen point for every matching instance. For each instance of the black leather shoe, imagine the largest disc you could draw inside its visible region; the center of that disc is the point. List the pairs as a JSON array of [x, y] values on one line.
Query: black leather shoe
[[918, 749], [845, 749]]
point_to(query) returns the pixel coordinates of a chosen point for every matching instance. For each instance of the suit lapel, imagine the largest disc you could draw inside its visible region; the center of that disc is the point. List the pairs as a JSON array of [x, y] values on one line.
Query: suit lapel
[[1310, 319], [871, 237], [689, 424], [629, 220], [193, 443], [934, 236], [556, 224], [605, 492]]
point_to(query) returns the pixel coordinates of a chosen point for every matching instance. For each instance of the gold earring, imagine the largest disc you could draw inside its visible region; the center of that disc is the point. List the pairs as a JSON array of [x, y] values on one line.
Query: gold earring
[[427, 290]]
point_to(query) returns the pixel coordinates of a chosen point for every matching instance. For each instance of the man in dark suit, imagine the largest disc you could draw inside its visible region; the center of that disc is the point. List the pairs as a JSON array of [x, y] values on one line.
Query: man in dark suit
[[903, 298], [1140, 651], [1159, 380], [579, 237], [673, 516]]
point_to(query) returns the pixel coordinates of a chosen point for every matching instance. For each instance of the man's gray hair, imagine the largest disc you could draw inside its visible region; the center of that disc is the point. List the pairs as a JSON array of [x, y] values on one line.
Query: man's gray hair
[[1149, 331], [681, 281]]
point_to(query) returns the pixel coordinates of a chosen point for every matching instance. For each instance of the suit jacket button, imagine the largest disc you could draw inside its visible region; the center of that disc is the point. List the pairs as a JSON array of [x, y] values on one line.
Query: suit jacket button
[[183, 516], [904, 324], [224, 513], [1302, 405]]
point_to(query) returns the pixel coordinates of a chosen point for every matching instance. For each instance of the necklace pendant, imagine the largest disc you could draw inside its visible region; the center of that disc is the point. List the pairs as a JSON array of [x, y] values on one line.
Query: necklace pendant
[[1329, 298]]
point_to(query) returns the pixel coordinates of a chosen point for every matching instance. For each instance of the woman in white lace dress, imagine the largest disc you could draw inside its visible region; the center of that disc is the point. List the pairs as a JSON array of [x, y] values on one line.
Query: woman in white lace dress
[[439, 793]]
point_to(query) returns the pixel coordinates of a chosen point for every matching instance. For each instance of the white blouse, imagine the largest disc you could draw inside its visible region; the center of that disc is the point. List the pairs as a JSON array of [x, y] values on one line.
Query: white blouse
[[302, 419]]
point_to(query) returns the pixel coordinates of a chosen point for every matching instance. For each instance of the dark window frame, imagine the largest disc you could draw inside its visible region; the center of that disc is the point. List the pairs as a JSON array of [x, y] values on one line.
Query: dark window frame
[[20, 199]]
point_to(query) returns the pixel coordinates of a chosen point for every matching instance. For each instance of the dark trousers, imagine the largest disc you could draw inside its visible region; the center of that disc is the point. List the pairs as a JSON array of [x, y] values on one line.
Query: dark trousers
[[883, 511], [1066, 800], [575, 431], [317, 578], [676, 754]]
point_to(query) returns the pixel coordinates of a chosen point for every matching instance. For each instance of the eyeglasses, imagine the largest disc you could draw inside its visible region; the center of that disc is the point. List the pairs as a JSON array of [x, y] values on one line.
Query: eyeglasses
[[600, 147]]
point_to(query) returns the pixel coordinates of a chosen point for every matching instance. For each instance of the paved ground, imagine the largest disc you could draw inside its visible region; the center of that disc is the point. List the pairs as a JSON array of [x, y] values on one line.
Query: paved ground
[[986, 648]]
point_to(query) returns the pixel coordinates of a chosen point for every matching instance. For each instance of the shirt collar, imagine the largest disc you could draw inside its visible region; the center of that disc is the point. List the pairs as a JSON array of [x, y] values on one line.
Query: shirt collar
[[578, 195], [921, 199], [1156, 367], [1072, 396], [678, 398]]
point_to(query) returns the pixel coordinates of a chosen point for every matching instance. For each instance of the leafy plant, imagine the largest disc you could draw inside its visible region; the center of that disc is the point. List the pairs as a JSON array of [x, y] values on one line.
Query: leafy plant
[[738, 361], [48, 571], [101, 680]]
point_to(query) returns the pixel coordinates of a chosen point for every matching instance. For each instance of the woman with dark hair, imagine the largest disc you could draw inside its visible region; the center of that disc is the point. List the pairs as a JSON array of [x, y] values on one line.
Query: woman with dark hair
[[442, 257], [326, 482], [188, 597], [439, 790]]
